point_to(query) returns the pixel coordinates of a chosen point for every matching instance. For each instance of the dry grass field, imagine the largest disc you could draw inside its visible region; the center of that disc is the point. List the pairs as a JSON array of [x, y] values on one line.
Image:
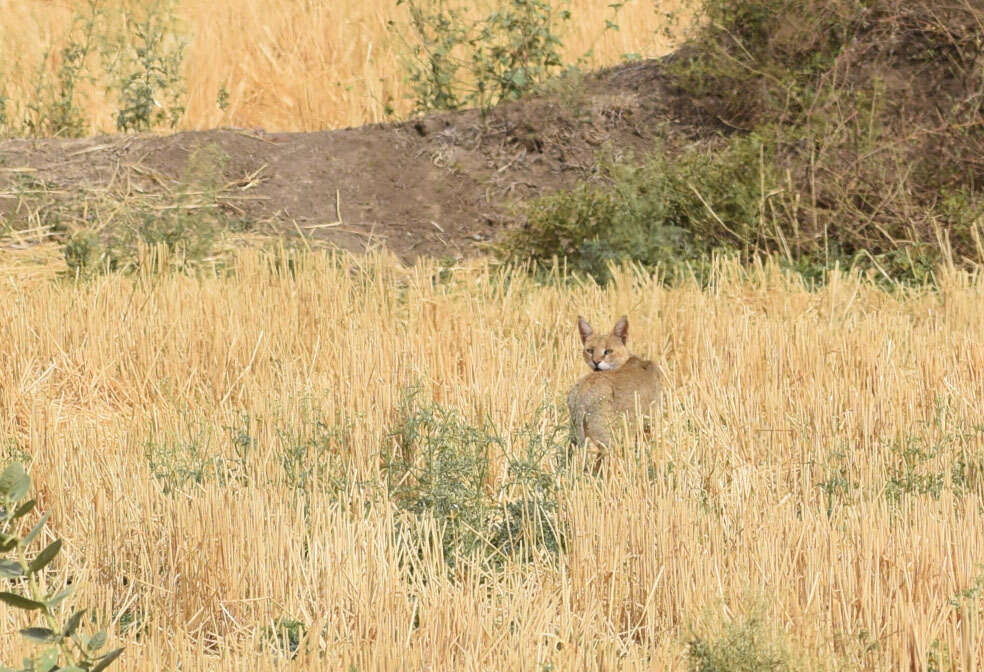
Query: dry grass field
[[292, 66], [210, 450]]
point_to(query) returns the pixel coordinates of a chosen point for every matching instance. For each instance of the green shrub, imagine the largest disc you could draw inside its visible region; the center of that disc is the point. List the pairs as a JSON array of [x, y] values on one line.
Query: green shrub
[[186, 229], [849, 135], [941, 456], [874, 112], [742, 646], [54, 108], [147, 71], [439, 466], [134, 51], [284, 635], [310, 453], [663, 211], [456, 61], [64, 647]]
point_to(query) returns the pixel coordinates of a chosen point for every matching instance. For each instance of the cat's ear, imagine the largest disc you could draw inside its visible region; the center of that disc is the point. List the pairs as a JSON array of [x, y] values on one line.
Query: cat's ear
[[583, 328], [621, 329]]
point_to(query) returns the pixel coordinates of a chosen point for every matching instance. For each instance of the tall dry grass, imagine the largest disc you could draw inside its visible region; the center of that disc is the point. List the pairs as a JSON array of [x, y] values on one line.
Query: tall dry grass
[[294, 66], [773, 391]]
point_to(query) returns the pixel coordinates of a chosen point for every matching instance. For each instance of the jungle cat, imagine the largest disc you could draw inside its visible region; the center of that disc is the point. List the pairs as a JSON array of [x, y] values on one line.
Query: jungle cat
[[619, 385]]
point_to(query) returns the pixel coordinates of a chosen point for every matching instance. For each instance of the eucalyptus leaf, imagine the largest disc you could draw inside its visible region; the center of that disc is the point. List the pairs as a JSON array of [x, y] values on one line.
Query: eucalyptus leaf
[[20, 602], [35, 530], [45, 556], [97, 641], [47, 660], [42, 635], [72, 624], [24, 509], [14, 482], [106, 660], [10, 569], [54, 601]]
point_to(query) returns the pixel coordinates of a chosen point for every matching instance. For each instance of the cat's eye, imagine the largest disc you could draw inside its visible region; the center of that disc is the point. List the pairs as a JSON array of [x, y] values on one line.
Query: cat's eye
[[607, 352], [590, 351]]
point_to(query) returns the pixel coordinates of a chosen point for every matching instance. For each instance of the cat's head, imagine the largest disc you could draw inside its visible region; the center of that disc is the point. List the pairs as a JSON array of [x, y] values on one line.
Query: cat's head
[[605, 352]]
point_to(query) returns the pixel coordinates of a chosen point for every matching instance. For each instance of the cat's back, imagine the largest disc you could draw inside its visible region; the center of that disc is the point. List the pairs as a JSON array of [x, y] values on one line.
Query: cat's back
[[638, 381], [636, 378]]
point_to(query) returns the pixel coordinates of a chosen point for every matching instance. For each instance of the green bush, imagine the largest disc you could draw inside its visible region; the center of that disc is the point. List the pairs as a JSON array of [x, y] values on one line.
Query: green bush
[[135, 51], [874, 112], [439, 466], [284, 635], [54, 109], [455, 61], [186, 229], [662, 211], [742, 646], [849, 133], [147, 71]]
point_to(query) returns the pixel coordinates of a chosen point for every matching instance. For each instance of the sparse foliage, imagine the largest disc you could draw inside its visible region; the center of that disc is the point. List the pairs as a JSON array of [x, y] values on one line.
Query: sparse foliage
[[742, 646], [458, 61], [180, 234], [440, 465], [134, 52], [62, 646], [147, 68], [55, 108]]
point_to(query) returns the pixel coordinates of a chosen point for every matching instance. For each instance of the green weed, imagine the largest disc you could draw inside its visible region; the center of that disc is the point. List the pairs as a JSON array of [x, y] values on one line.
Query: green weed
[[943, 457], [284, 635], [185, 229], [439, 465], [661, 212], [741, 646], [134, 50], [54, 109], [147, 71], [455, 61]]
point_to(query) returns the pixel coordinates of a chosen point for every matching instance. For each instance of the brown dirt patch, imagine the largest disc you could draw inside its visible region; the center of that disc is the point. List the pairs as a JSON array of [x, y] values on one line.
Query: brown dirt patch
[[440, 185]]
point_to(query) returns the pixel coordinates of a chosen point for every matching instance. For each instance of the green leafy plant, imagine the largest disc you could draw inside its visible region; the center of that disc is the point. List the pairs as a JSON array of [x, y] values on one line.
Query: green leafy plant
[[63, 647], [284, 635], [873, 110], [663, 211], [4, 121], [456, 61], [184, 461], [939, 458], [147, 65], [134, 51], [837, 485], [54, 109], [439, 465], [310, 454], [742, 646], [185, 229]]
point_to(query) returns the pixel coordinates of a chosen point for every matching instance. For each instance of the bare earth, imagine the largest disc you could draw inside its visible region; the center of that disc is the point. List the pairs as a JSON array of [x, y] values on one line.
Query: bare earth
[[441, 185]]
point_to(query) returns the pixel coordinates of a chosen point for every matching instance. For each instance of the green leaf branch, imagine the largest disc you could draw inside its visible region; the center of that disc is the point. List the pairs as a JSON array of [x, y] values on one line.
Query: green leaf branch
[[63, 647]]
